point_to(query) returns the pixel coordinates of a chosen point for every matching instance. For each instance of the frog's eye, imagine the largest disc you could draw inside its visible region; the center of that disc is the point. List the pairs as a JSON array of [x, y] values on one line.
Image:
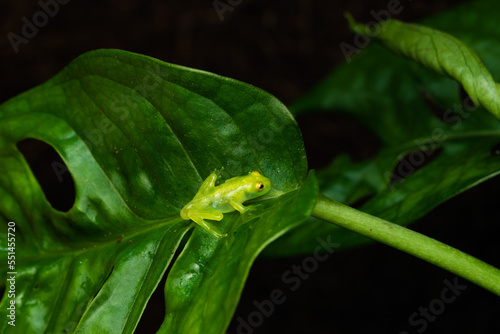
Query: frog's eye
[[259, 186]]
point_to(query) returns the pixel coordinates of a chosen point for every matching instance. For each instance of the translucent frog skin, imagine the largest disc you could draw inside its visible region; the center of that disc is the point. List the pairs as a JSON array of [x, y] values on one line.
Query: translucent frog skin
[[210, 202]]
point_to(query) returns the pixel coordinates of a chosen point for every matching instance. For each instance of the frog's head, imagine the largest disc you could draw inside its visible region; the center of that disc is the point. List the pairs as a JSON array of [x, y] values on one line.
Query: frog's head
[[258, 185]]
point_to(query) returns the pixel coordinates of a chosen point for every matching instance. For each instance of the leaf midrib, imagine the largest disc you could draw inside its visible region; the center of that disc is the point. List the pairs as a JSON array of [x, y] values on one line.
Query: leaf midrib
[[21, 261]]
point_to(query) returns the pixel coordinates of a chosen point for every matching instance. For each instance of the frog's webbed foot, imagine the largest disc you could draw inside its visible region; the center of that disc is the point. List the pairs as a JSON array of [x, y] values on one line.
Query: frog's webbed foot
[[253, 211]]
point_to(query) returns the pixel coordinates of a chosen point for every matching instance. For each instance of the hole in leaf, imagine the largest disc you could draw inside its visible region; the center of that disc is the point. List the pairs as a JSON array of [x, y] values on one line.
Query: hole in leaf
[[412, 162], [495, 150], [327, 135], [153, 314], [50, 171]]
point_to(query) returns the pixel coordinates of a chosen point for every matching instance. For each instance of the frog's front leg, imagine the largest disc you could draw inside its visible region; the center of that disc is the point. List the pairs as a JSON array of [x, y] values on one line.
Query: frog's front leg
[[199, 214], [238, 206], [209, 182]]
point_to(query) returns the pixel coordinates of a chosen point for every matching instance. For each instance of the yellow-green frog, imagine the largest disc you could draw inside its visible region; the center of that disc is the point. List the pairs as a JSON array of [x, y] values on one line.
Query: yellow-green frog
[[210, 202]]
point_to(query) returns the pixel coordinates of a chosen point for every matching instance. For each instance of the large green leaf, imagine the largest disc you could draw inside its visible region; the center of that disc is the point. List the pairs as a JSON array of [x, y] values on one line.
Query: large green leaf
[[138, 137], [435, 144]]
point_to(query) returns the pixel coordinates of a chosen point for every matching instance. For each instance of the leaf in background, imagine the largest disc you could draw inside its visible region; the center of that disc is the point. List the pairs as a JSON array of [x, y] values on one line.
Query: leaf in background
[[435, 144], [138, 136], [441, 53]]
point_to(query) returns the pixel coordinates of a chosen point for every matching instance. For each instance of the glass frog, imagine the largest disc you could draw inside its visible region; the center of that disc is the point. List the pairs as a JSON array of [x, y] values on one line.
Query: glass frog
[[210, 202]]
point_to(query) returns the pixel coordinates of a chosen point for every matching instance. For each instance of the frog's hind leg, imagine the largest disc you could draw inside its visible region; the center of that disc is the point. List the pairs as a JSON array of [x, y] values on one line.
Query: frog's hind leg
[[207, 213]]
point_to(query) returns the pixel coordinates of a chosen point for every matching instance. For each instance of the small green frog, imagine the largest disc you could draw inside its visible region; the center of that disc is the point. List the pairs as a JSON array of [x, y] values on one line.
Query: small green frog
[[210, 202]]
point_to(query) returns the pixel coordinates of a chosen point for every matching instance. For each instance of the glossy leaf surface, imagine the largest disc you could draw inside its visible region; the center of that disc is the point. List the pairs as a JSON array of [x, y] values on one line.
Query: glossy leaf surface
[[138, 136]]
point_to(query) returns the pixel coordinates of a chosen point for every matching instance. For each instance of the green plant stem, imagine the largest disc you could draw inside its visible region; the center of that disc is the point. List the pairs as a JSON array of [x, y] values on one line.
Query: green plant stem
[[409, 241]]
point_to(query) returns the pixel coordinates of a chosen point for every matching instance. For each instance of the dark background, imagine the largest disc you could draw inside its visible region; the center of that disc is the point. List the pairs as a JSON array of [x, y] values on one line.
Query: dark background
[[283, 47]]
